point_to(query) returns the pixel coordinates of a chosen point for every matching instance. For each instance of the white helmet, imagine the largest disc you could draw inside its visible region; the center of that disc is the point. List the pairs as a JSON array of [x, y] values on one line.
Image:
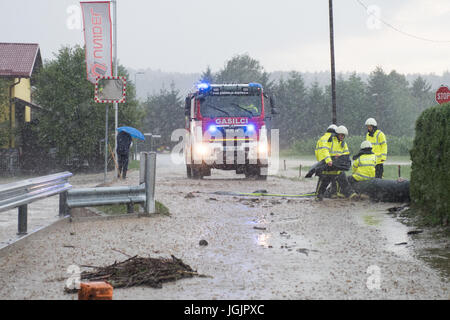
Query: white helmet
[[332, 126], [371, 122], [366, 144], [342, 130]]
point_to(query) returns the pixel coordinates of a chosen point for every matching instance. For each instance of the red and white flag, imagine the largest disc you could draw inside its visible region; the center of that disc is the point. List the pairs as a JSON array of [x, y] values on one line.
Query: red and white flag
[[98, 39]]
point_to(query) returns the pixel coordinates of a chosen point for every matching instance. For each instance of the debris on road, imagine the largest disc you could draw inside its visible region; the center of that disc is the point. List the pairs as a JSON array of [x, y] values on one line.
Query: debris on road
[[415, 231], [136, 271], [305, 250], [260, 191], [203, 243], [259, 228], [398, 209]]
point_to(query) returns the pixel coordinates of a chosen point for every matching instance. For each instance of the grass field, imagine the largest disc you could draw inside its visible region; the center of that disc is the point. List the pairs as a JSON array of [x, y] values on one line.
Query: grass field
[[391, 172], [118, 209], [133, 164]]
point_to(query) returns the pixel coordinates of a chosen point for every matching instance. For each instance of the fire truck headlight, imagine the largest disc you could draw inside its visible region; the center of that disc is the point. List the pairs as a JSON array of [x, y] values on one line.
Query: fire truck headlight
[[212, 128], [201, 150], [263, 148]]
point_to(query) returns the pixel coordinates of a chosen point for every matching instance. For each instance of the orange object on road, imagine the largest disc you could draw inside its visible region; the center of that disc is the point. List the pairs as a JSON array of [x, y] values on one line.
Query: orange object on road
[[95, 291]]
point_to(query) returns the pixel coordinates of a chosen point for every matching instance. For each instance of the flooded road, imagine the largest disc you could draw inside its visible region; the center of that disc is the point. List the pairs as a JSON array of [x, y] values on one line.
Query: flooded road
[[257, 247]]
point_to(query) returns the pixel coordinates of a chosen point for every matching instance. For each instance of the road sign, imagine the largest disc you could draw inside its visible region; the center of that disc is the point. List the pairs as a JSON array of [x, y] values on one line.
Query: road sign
[[443, 95], [110, 89]]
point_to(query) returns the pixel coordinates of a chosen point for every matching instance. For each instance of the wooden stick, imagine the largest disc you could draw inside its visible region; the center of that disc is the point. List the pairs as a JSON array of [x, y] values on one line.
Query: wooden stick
[[114, 158]]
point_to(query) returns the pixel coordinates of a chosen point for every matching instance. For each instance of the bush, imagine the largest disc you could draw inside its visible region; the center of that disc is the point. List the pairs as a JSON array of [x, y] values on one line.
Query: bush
[[430, 175], [304, 147]]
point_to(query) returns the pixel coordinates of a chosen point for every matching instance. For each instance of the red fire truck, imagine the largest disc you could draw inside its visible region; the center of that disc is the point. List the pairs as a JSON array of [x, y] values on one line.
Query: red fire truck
[[227, 127]]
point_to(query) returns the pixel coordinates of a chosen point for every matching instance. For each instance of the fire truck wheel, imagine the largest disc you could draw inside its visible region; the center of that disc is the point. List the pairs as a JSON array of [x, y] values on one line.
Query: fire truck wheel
[[197, 172], [261, 177], [254, 172], [188, 171]]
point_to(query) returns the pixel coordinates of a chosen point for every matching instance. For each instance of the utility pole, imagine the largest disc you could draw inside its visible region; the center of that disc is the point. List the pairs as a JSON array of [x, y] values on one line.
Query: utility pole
[[333, 75], [114, 2]]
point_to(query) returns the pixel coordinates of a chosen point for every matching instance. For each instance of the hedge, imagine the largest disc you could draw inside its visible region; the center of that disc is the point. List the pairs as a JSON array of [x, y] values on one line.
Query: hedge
[[430, 171]]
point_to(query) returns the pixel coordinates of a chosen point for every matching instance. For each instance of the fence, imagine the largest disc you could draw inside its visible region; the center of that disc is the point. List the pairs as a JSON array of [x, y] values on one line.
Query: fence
[[9, 161]]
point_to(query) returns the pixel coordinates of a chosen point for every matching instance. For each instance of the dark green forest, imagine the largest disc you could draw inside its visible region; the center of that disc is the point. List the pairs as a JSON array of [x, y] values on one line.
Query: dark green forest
[[305, 111]]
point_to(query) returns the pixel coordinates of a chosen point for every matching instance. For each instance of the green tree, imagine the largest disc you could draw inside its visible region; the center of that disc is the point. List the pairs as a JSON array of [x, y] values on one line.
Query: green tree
[[379, 95], [421, 91], [294, 121], [207, 76], [420, 87], [319, 110], [164, 114], [244, 69], [402, 113], [73, 122], [353, 106]]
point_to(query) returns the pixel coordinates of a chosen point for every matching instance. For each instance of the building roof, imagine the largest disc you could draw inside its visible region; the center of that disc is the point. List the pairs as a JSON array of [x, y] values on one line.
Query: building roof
[[19, 59], [32, 105]]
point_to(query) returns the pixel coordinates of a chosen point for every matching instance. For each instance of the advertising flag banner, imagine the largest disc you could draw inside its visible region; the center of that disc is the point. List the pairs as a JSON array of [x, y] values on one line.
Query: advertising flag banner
[[98, 39]]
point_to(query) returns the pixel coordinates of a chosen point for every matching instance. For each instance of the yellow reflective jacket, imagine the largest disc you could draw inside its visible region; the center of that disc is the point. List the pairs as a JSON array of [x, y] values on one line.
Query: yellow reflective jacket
[[337, 148], [379, 145], [323, 148], [364, 167]]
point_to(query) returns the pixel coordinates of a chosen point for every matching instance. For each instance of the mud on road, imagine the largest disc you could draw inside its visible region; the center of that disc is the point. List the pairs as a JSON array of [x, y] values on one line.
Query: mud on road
[[256, 247]]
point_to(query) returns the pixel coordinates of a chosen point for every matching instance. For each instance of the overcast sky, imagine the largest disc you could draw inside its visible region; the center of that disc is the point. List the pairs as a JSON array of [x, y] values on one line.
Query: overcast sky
[[189, 35]]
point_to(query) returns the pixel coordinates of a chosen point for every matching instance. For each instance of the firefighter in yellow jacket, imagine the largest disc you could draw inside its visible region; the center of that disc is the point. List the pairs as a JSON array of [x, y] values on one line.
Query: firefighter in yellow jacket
[[322, 151], [337, 148], [364, 162], [379, 145]]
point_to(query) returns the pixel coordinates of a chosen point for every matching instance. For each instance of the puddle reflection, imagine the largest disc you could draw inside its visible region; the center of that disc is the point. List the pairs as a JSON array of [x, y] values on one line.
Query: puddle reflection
[[264, 239]]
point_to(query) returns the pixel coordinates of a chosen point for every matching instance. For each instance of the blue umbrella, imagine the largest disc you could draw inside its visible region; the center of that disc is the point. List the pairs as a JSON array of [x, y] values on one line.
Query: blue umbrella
[[135, 133]]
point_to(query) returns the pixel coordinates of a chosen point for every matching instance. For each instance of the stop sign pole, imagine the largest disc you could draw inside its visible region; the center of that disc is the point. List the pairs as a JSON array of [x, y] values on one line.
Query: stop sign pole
[[443, 95]]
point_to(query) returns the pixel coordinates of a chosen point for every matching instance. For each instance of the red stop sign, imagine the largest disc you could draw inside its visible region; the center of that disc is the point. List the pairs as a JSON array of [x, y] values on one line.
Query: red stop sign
[[443, 95]]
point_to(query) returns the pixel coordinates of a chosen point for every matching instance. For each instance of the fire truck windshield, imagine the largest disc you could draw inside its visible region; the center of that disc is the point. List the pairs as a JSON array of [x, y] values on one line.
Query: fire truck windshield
[[212, 106]]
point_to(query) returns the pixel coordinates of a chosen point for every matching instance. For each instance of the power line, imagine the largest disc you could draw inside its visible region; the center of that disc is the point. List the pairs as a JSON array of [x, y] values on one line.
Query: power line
[[401, 31]]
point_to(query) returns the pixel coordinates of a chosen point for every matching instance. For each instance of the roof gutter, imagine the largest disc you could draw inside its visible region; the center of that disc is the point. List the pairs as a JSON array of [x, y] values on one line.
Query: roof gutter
[[10, 111]]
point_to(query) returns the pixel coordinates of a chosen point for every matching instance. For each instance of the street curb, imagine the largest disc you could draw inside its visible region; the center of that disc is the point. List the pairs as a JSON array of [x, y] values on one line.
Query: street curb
[[29, 236]]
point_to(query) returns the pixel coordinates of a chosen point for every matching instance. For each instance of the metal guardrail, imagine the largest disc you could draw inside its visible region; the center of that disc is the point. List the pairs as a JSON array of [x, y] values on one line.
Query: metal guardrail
[[91, 197], [21, 193], [143, 194]]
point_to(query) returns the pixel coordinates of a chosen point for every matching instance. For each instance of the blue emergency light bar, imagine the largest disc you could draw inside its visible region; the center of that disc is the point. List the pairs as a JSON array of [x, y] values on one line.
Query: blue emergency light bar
[[204, 86]]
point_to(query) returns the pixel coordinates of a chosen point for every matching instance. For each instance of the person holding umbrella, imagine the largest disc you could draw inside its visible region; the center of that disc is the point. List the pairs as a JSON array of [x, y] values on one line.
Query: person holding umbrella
[[123, 149], [124, 141]]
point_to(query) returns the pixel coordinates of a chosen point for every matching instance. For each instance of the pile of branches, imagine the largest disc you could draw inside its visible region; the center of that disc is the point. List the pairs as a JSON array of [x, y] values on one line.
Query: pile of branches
[[136, 271]]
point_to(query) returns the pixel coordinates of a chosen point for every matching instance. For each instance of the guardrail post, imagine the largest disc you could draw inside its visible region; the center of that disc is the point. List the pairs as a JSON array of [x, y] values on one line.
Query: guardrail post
[[150, 173], [142, 158], [63, 210], [23, 217]]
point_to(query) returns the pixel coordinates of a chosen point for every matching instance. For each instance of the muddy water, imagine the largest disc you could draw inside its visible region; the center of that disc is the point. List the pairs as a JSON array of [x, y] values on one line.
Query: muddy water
[[258, 247]]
